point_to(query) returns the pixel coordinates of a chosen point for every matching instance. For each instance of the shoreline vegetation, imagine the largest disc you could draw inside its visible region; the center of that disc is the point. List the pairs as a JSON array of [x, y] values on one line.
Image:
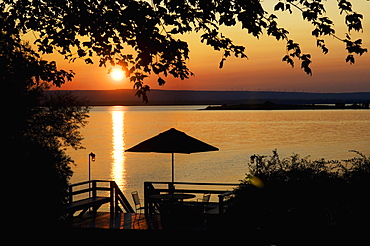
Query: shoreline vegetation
[[296, 197], [268, 105], [126, 97]]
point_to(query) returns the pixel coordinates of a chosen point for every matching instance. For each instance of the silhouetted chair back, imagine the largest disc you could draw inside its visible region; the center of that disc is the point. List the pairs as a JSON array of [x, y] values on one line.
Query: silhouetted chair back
[[136, 198], [206, 198], [138, 207]]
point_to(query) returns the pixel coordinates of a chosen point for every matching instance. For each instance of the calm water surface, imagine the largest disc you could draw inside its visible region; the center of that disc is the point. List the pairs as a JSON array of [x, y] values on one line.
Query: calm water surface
[[325, 134]]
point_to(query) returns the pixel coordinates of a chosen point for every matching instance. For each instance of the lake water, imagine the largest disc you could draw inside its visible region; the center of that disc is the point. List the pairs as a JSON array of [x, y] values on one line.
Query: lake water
[[325, 134]]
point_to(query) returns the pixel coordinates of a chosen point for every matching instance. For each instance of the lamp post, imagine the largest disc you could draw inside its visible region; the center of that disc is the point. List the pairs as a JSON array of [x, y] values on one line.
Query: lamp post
[[91, 158]]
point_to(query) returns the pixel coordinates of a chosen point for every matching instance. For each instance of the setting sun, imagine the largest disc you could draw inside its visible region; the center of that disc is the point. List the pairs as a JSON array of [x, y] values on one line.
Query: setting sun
[[117, 74]]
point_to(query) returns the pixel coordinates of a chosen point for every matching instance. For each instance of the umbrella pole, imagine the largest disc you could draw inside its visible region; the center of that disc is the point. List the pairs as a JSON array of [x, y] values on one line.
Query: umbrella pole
[[171, 186], [173, 168]]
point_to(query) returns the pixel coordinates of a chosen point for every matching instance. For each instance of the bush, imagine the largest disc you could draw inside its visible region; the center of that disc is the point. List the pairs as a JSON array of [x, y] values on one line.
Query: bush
[[298, 195]]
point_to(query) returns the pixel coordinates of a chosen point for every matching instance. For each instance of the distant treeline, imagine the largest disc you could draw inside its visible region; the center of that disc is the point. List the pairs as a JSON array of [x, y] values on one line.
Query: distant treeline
[[273, 106], [182, 97]]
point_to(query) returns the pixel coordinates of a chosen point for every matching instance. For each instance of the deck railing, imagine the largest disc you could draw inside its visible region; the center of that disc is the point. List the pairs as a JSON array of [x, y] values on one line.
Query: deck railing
[[222, 190], [94, 189]]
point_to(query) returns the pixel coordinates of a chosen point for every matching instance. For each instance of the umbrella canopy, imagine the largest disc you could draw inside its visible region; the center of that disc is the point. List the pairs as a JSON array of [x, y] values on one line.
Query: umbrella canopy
[[172, 141]]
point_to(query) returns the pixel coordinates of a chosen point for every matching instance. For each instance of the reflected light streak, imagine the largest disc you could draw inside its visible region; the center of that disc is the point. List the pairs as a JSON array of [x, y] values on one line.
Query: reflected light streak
[[118, 171]]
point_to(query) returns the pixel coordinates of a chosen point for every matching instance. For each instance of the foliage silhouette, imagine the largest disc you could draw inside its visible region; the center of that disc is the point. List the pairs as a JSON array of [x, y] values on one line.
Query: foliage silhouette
[[87, 28], [299, 196], [36, 129]]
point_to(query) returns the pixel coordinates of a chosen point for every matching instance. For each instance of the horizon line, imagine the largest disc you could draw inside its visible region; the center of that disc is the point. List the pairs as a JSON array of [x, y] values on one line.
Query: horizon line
[[209, 90]]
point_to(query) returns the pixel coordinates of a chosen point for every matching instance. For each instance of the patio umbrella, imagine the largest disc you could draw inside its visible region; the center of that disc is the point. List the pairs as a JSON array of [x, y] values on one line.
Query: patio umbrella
[[172, 141]]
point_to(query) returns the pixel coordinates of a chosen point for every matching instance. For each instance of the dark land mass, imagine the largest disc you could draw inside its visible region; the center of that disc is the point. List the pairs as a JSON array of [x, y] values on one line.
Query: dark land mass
[[273, 106], [126, 97]]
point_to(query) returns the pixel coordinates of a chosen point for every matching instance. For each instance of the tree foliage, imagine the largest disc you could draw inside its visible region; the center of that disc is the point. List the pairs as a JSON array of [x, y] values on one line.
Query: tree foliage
[[36, 128], [85, 28]]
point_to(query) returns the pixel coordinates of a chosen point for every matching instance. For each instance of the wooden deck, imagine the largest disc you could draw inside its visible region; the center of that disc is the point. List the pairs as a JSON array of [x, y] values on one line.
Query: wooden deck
[[104, 220], [160, 214]]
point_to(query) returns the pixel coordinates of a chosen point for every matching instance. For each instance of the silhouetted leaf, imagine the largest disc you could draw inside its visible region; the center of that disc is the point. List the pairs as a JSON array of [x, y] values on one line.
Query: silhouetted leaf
[[222, 63], [305, 65], [161, 81], [141, 91], [353, 21], [344, 6], [81, 53], [308, 70], [306, 57], [324, 49], [288, 60], [350, 59], [355, 47], [287, 7], [316, 32], [319, 42], [278, 6], [89, 61], [309, 15]]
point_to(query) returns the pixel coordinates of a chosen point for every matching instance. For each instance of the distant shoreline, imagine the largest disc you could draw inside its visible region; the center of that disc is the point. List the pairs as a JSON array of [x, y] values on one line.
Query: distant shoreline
[[126, 97], [118, 103], [272, 106]]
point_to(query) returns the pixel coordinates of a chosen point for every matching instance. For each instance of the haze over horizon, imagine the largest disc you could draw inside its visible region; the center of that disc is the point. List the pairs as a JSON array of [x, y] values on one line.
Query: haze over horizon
[[263, 71]]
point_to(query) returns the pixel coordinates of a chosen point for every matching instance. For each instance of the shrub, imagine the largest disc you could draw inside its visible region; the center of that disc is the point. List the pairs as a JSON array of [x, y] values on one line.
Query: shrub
[[297, 194]]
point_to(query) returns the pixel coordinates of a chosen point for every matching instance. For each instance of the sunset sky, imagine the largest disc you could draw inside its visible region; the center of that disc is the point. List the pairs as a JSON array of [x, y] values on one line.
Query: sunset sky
[[264, 69]]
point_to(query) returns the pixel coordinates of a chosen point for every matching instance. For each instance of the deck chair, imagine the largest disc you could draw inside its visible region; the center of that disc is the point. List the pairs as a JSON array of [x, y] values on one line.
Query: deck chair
[[205, 201], [138, 207], [205, 198]]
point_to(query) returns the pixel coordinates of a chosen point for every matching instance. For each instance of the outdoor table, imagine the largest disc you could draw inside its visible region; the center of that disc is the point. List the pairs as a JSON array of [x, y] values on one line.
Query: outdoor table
[[172, 196]]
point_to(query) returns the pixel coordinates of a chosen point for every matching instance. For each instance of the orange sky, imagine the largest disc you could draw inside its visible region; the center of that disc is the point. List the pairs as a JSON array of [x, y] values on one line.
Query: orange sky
[[264, 69]]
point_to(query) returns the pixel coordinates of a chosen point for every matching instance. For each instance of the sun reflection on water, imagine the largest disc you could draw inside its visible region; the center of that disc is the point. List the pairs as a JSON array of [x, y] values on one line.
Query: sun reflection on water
[[118, 172]]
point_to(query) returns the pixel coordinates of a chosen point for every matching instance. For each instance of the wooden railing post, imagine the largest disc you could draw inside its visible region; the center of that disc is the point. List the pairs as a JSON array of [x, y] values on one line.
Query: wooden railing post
[[171, 188], [112, 197], [220, 204], [147, 199], [93, 188], [116, 207]]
